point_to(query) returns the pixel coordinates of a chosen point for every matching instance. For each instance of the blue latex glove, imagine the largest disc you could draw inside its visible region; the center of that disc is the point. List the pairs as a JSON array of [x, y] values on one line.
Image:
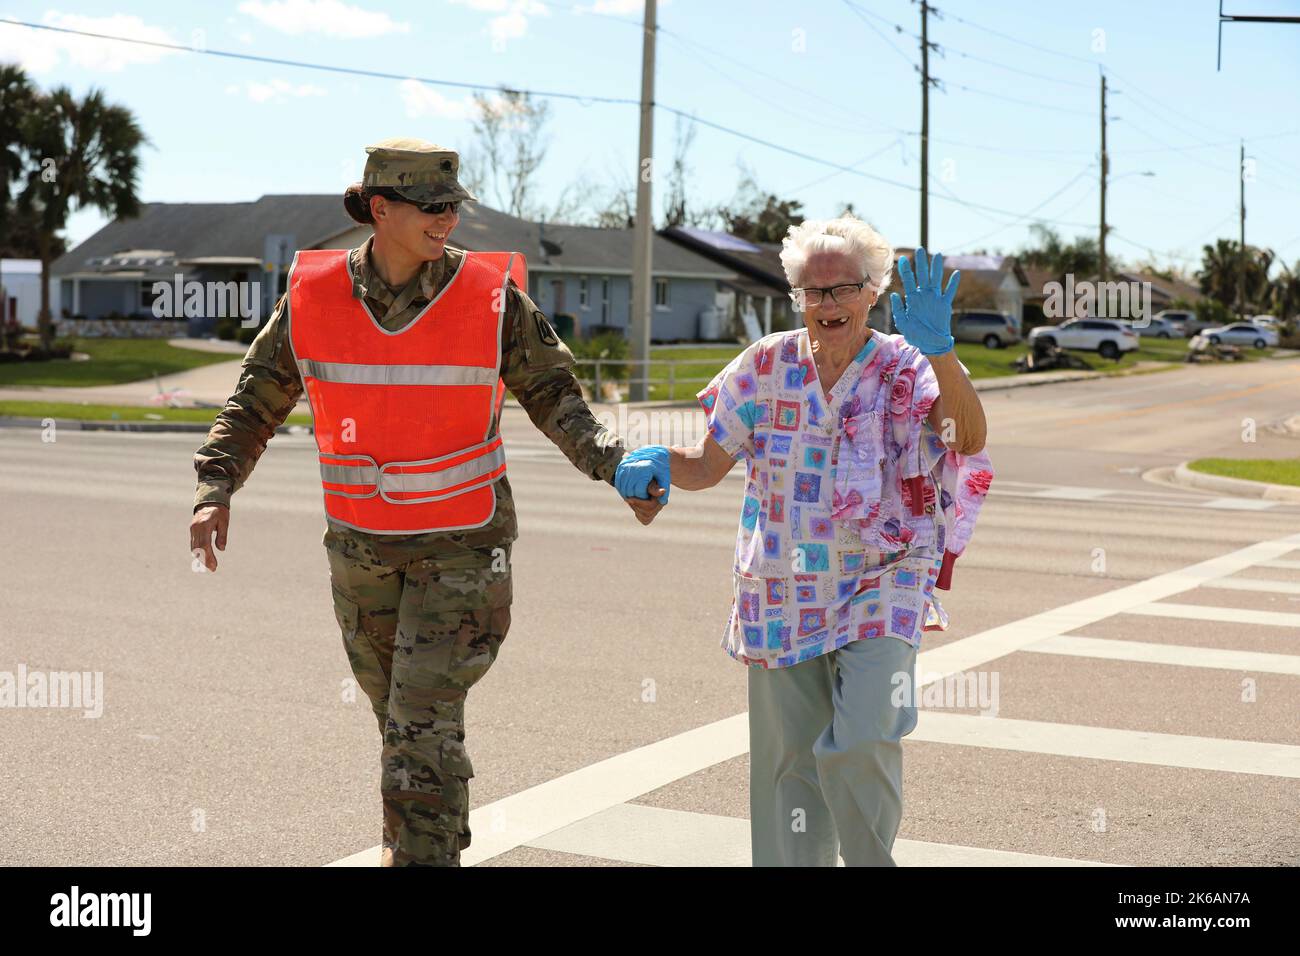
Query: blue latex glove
[[926, 321], [637, 468]]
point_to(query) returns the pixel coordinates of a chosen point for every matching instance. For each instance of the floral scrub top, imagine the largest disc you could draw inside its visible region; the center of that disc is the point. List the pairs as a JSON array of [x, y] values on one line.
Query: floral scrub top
[[840, 538]]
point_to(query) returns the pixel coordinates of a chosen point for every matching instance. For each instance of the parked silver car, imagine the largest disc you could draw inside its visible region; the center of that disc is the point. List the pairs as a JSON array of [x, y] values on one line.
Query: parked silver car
[[1156, 329], [1242, 333], [994, 329], [1181, 319]]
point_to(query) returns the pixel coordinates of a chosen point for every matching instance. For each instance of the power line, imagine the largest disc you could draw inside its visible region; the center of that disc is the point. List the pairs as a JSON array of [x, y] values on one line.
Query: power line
[[859, 12], [1011, 99], [1012, 69], [855, 165], [839, 166], [350, 71], [1011, 39], [748, 89], [1029, 214]]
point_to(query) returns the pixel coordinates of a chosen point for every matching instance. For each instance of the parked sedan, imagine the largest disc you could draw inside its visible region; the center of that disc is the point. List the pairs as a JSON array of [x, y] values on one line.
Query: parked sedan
[[1156, 329], [1185, 322], [1242, 333], [994, 329], [1109, 338]]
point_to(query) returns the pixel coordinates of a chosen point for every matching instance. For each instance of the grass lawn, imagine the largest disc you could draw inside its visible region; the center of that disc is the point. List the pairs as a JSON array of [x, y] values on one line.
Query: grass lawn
[[1280, 471], [129, 413], [111, 362], [704, 362]]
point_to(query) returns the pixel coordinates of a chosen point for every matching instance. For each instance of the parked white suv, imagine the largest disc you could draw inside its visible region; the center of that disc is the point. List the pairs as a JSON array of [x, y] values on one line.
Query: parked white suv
[[1109, 338]]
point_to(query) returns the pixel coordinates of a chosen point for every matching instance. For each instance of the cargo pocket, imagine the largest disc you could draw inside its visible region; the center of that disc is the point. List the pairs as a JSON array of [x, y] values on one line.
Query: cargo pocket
[[347, 613], [455, 758]]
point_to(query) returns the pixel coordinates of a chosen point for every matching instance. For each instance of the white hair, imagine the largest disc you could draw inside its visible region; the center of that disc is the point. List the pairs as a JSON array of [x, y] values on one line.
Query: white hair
[[846, 235]]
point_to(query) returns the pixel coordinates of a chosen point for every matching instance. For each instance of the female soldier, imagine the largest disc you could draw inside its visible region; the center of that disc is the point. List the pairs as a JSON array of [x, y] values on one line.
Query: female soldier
[[404, 347]]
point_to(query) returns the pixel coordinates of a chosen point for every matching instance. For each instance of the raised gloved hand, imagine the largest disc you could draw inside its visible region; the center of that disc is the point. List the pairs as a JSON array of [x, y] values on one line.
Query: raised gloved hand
[[926, 320], [637, 468]]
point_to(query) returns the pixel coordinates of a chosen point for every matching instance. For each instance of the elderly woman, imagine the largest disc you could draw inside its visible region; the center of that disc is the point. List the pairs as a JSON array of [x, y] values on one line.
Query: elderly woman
[[864, 476]]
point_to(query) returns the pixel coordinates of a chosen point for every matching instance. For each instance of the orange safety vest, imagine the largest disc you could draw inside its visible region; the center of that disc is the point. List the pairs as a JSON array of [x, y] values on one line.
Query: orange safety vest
[[404, 420]]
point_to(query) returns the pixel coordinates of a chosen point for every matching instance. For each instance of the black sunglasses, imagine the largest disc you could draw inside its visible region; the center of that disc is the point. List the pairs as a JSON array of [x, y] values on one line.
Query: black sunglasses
[[435, 208]]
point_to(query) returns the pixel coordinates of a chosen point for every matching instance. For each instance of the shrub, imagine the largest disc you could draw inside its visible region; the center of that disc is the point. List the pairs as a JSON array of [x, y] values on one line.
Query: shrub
[[606, 345]]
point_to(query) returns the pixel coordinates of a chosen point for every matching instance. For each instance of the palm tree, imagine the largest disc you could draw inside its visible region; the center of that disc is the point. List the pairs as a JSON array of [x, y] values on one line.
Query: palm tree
[[80, 153], [1237, 279], [1219, 268], [1080, 257], [17, 101], [1284, 293]]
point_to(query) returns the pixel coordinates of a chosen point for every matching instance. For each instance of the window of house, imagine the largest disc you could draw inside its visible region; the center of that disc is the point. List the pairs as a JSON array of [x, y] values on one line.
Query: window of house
[[604, 300], [583, 300], [661, 293], [147, 296]]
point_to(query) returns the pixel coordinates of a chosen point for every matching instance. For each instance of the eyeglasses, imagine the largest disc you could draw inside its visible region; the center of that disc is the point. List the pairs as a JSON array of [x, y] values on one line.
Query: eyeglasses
[[435, 208], [846, 292]]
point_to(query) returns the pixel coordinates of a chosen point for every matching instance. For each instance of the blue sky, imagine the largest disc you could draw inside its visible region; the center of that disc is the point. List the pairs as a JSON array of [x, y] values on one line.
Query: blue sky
[[825, 78]]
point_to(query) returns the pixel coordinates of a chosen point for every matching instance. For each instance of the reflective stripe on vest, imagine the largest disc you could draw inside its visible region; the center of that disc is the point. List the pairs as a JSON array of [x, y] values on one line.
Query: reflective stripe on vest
[[392, 432], [431, 479]]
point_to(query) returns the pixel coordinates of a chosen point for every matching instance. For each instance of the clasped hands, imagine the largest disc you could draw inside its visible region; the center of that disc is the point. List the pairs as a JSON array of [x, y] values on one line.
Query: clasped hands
[[644, 478]]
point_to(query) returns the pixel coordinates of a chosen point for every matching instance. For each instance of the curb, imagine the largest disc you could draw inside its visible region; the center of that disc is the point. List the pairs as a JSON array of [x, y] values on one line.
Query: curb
[[1025, 380], [1240, 487], [12, 421]]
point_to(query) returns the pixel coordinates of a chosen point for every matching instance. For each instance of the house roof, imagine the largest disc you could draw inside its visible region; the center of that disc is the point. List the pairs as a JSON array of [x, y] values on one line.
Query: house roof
[[986, 268], [758, 261], [188, 231], [1162, 288], [213, 232]]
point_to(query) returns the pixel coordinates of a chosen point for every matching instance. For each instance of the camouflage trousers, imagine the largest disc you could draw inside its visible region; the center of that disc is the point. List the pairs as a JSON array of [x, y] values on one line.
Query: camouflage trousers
[[419, 632]]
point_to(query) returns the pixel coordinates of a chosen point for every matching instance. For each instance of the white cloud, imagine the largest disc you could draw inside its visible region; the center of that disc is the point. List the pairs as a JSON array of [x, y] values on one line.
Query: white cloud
[[278, 91], [511, 21], [42, 51], [422, 100], [616, 8], [331, 17]]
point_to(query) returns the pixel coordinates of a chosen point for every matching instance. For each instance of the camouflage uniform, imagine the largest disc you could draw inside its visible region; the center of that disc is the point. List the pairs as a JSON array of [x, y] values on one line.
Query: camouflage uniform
[[422, 615]]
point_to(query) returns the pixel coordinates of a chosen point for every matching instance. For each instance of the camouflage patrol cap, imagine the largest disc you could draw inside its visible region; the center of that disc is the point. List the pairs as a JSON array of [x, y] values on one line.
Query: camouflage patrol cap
[[417, 170]]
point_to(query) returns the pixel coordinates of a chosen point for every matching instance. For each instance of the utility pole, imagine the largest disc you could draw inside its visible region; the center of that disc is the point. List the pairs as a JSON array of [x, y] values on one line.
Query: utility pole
[[639, 323], [1241, 265], [1101, 236], [925, 129]]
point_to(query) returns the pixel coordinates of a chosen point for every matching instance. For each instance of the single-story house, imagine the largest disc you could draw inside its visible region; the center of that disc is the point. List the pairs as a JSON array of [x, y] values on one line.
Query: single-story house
[[761, 291], [585, 272], [580, 271], [110, 277], [1006, 280]]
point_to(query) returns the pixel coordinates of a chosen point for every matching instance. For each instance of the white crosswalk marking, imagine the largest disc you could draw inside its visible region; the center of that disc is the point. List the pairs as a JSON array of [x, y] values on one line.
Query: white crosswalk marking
[[1239, 504], [1181, 655], [587, 812], [655, 836], [1232, 615], [1255, 584], [1105, 743]]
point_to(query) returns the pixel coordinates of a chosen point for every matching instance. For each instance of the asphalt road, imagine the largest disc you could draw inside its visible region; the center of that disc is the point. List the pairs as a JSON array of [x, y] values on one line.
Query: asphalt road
[[1143, 641]]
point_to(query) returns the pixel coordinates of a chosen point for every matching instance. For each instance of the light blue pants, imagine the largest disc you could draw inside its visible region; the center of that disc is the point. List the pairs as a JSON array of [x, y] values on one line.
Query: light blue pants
[[826, 755]]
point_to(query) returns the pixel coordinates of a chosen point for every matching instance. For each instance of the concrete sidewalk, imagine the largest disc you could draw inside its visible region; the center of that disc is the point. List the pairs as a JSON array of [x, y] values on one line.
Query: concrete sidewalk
[[207, 386], [211, 385]]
